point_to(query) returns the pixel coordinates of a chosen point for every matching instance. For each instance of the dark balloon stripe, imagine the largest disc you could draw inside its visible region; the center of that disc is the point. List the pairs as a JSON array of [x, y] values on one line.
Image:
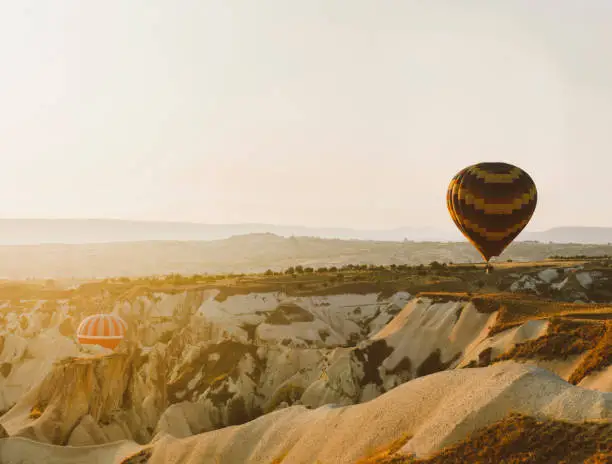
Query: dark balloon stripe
[[494, 168], [479, 188], [496, 222], [454, 201], [492, 236], [472, 236], [499, 200]]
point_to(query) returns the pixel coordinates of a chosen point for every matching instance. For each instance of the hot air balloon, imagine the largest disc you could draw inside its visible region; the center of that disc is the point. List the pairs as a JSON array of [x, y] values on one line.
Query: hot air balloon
[[106, 330], [491, 203]]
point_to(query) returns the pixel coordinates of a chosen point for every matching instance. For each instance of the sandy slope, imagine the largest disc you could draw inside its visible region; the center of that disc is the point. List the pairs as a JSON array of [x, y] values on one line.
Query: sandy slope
[[437, 410], [24, 451], [600, 380]]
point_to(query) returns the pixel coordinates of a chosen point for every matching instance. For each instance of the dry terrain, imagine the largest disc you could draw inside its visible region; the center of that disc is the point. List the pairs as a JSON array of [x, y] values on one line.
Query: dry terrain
[[436, 363]]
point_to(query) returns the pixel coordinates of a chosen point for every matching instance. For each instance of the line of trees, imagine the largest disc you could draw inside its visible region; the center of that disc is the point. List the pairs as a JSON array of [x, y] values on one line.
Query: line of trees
[[293, 270], [585, 257]]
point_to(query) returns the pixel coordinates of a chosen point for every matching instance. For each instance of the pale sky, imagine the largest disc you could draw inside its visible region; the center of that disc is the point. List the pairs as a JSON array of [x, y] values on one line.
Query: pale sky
[[313, 112]]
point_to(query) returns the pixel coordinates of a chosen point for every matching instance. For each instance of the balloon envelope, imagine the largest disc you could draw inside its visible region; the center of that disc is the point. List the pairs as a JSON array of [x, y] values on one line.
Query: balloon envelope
[[491, 203], [106, 330]]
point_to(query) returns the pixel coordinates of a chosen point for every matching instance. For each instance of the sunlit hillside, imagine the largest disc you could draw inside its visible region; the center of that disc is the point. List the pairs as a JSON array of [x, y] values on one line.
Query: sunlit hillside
[[249, 253]]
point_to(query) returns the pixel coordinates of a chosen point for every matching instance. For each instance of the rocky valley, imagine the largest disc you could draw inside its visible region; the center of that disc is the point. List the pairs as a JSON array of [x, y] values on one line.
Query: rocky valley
[[373, 364]]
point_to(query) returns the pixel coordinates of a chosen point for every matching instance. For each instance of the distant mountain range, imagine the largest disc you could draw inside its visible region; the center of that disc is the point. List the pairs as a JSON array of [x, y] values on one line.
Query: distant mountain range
[[34, 231], [79, 231], [594, 235]]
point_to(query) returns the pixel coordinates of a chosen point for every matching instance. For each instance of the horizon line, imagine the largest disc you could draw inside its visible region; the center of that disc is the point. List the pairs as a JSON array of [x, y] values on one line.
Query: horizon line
[[162, 221]]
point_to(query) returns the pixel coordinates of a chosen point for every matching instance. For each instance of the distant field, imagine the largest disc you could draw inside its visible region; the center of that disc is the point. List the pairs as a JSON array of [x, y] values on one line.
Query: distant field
[[385, 280], [250, 254]]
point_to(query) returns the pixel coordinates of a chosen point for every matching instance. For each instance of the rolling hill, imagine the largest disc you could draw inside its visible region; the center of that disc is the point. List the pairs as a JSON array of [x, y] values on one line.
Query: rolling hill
[[75, 231], [247, 254]]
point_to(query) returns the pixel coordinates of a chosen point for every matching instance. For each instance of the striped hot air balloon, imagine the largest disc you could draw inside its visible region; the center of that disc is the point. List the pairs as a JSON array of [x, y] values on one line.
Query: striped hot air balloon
[[106, 330], [491, 203]]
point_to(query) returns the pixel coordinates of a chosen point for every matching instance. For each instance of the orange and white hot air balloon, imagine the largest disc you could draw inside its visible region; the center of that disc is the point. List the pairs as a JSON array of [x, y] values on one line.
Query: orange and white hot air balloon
[[106, 330]]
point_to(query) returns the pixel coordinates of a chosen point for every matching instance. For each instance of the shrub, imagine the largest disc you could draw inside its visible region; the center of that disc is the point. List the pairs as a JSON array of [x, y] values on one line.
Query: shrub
[[289, 393]]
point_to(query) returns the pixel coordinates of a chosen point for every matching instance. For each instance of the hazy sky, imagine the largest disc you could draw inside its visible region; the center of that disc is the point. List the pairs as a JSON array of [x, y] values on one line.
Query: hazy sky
[[316, 112]]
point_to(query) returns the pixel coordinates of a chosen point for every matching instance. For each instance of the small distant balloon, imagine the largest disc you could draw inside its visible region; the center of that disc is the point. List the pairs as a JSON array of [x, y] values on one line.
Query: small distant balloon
[[491, 203], [106, 330]]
